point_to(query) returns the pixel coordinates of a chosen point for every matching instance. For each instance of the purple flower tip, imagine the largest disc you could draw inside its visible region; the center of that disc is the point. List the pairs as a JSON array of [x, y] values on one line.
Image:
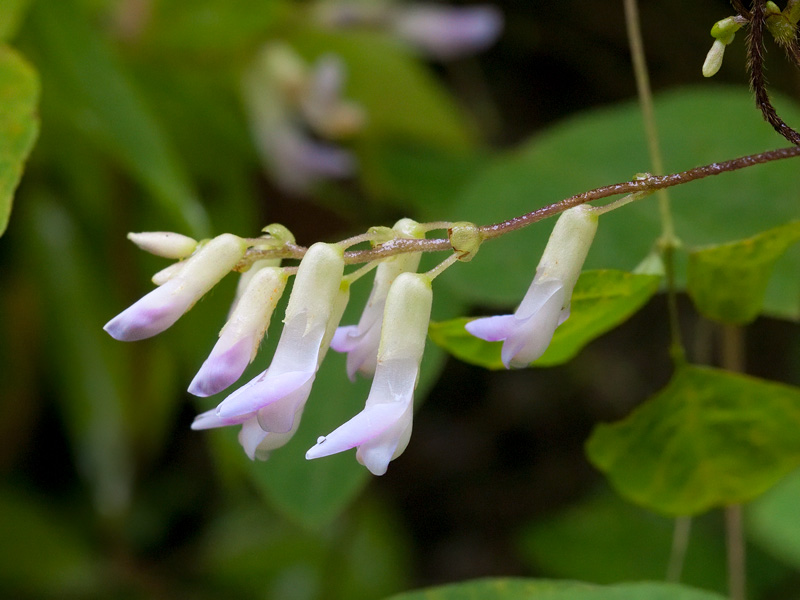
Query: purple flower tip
[[222, 368], [149, 316]]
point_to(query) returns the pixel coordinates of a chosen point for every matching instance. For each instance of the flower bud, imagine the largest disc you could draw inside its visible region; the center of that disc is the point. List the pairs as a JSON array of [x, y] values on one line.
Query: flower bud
[[466, 239], [162, 243], [713, 60]]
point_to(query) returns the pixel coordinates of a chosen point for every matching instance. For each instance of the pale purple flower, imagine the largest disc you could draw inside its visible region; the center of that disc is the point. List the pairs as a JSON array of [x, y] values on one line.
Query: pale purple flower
[[257, 442], [440, 31], [276, 397], [240, 337], [297, 162], [446, 32], [361, 341], [527, 333], [382, 430], [322, 105], [159, 309], [283, 99]]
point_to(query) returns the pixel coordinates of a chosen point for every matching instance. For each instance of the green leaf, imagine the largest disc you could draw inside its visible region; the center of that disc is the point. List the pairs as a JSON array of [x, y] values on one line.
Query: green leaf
[[607, 145], [603, 539], [211, 28], [710, 438], [88, 87], [19, 124], [542, 589], [11, 15], [425, 177], [601, 301], [772, 520], [248, 554], [727, 282]]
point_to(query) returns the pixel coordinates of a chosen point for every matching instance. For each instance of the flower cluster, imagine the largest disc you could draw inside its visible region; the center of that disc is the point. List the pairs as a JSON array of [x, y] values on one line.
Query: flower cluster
[[299, 119], [270, 406], [297, 116], [387, 343]]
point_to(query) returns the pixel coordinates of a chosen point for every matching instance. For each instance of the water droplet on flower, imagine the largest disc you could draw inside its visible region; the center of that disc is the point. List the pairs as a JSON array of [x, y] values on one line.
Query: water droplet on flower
[[320, 439]]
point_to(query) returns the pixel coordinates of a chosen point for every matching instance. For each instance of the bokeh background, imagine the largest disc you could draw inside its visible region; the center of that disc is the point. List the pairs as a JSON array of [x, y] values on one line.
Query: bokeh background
[[107, 493]]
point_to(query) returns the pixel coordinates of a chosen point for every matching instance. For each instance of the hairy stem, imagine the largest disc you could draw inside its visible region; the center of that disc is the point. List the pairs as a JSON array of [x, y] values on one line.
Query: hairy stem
[[646, 184], [755, 63], [740, 8]]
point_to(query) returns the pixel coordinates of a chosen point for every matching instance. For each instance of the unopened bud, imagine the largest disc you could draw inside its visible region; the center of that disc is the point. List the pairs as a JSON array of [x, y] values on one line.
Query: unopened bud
[[163, 243], [466, 239], [279, 232], [713, 59]]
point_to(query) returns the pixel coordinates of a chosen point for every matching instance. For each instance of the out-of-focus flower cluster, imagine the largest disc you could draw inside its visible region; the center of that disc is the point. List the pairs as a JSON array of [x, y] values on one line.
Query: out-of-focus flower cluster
[[387, 343], [301, 122]]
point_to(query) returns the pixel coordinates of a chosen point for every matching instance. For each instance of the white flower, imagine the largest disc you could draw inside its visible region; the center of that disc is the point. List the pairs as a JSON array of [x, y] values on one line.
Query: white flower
[[276, 397], [382, 430], [361, 341], [527, 333], [240, 337], [159, 309]]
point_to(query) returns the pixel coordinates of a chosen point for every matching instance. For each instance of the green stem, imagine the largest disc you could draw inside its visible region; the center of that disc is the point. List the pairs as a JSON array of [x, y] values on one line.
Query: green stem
[[733, 359], [668, 241], [645, 94], [680, 543], [736, 553]]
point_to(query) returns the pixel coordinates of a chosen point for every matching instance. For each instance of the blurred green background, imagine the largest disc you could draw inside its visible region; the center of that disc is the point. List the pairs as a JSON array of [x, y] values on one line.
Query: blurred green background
[[107, 493]]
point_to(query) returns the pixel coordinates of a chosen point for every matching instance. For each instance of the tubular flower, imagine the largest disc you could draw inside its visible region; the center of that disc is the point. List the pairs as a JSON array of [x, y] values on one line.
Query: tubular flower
[[240, 337], [276, 397], [527, 333], [382, 430], [361, 341], [159, 309]]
